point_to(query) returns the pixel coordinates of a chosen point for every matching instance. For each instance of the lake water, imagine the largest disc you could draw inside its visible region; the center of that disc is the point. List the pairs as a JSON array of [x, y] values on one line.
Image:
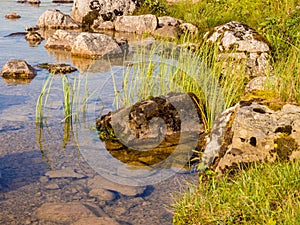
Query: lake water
[[75, 154]]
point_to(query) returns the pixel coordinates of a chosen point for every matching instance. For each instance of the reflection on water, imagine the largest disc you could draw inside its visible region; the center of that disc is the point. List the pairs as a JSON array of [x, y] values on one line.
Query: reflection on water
[[12, 81], [28, 151]]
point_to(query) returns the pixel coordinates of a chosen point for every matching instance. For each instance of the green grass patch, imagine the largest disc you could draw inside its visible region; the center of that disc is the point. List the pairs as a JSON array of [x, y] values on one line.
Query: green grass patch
[[262, 194]]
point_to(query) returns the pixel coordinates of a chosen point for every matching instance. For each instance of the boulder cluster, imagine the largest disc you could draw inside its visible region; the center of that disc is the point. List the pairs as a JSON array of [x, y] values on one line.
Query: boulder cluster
[[250, 131]]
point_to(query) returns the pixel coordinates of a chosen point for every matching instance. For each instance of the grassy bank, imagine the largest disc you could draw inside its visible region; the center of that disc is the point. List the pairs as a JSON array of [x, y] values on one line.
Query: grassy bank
[[265, 193], [277, 20]]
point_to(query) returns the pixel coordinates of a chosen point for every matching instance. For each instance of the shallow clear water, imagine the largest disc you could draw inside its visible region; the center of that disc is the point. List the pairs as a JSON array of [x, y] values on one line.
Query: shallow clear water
[[28, 152]]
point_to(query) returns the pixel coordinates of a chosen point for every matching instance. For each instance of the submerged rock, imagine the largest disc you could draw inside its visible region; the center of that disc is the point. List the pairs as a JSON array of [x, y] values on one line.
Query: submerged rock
[[64, 173], [251, 132], [62, 212], [96, 221], [18, 69], [55, 19], [241, 45], [100, 182]]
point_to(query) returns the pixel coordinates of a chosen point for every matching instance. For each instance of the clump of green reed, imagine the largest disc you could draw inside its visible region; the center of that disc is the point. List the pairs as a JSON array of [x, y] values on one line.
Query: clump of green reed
[[264, 194], [42, 100], [166, 68], [72, 98]]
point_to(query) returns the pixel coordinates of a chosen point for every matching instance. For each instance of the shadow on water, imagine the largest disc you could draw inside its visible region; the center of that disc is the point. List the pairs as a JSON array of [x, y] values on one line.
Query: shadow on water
[[7, 101], [21, 169]]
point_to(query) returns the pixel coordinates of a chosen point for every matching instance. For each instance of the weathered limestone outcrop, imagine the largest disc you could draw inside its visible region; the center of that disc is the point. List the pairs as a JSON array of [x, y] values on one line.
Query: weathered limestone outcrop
[[241, 45], [251, 132], [106, 8], [18, 69], [136, 24], [55, 19]]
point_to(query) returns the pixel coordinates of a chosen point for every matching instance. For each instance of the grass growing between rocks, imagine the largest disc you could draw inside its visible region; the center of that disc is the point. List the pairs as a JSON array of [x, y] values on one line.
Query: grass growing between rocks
[[168, 68], [276, 20], [263, 194]]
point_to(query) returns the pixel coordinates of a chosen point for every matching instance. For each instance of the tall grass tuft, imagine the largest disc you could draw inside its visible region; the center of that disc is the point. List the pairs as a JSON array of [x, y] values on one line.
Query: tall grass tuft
[[166, 68], [264, 194]]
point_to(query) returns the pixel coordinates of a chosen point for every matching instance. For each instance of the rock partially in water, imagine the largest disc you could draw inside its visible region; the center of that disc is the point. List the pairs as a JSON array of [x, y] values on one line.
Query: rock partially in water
[[102, 183], [29, 1], [34, 38], [82, 8], [96, 221], [94, 45], [62, 1], [159, 133], [12, 16], [33, 2], [55, 19], [18, 69], [62, 39], [62, 212], [152, 119], [64, 173], [60, 68], [241, 46], [105, 25], [252, 132], [136, 24]]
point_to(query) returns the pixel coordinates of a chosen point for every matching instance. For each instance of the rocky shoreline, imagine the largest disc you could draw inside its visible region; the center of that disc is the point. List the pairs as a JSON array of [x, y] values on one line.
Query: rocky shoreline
[[257, 129]]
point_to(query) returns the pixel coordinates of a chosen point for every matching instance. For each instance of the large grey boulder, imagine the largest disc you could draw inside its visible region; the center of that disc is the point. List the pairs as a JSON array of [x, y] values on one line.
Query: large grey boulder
[[82, 8], [18, 69], [93, 45], [55, 19], [252, 132], [241, 45], [62, 39], [136, 24]]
